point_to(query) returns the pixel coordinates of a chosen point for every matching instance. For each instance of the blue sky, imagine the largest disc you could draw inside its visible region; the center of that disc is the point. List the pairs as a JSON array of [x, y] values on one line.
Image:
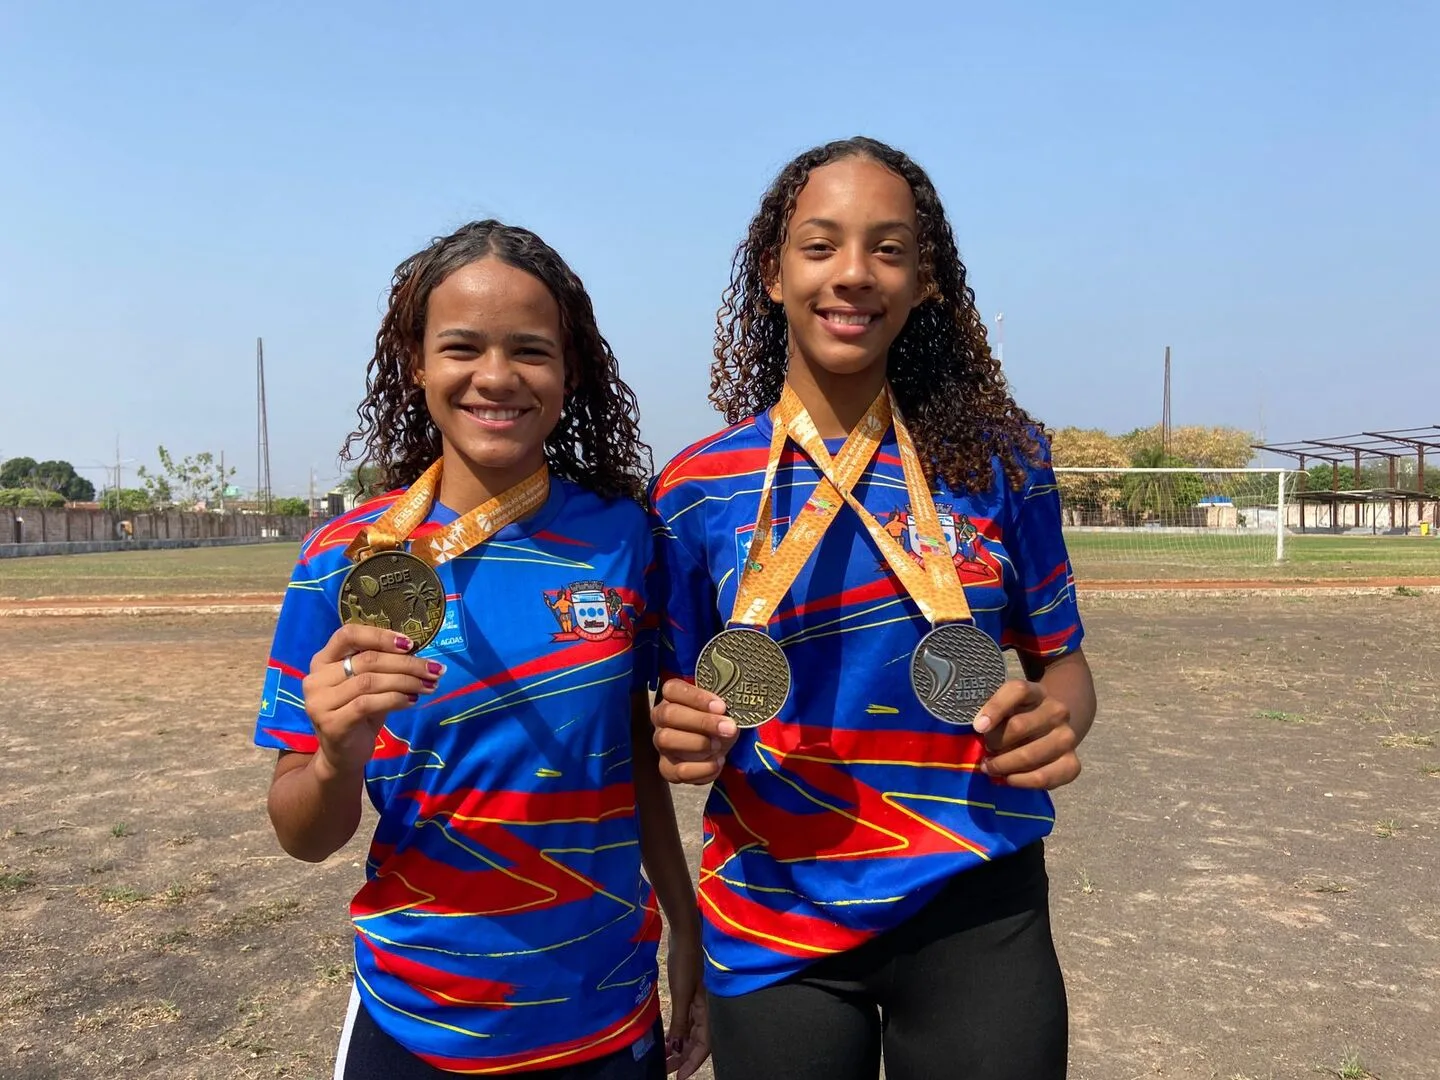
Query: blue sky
[[1251, 184]]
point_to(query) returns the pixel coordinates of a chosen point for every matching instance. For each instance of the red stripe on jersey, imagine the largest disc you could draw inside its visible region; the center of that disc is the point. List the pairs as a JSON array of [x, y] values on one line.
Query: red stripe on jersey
[[784, 932], [286, 669], [293, 740], [570, 656]]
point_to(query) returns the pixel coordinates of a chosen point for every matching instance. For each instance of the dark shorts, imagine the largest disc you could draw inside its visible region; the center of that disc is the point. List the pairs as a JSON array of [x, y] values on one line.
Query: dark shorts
[[969, 988]]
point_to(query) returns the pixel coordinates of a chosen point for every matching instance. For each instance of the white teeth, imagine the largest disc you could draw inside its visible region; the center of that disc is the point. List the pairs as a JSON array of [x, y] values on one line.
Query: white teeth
[[849, 320], [494, 414]]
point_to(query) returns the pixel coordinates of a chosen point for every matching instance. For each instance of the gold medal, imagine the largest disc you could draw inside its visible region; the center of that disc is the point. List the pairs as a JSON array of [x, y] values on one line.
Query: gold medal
[[394, 591], [746, 669], [400, 590]]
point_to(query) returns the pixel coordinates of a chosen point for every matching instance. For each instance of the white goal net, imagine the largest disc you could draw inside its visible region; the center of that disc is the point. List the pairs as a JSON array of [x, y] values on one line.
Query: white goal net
[[1147, 524]]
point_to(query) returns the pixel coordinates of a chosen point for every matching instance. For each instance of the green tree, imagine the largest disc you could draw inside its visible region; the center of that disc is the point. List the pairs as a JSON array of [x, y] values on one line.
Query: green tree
[[60, 476], [290, 506], [191, 480], [1094, 493], [363, 482], [1195, 445], [126, 501], [57, 476], [16, 472], [1155, 494], [1372, 475], [1322, 478]]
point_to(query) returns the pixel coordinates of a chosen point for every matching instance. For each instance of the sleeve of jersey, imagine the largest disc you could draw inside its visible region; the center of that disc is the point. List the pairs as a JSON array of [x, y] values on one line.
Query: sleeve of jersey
[[1041, 615], [307, 619], [685, 592]]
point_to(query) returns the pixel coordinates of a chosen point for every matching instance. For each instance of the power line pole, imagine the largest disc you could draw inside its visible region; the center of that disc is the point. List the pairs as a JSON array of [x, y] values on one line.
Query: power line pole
[[1165, 410], [262, 432]]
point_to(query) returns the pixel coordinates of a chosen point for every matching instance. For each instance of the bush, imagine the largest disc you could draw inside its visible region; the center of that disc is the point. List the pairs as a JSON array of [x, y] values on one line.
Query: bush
[[30, 497], [290, 506]]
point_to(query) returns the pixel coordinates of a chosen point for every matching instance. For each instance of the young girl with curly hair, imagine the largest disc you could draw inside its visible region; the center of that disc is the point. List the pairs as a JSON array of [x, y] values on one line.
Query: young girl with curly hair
[[421, 659], [843, 566]]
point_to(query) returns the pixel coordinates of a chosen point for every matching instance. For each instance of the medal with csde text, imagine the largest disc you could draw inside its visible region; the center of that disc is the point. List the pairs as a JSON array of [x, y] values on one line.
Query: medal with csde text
[[394, 591]]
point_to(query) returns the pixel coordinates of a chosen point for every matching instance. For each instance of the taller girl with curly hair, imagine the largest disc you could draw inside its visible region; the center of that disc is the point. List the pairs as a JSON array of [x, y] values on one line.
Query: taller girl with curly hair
[[844, 565], [472, 652]]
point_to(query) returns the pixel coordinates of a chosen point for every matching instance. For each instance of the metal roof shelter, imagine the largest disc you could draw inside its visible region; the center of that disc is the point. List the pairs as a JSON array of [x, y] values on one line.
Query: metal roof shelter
[[1395, 446]]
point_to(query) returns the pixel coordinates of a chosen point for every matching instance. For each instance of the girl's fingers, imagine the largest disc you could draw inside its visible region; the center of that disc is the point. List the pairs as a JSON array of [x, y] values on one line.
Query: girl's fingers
[[1048, 777], [370, 710], [1015, 696], [371, 661], [685, 693], [1053, 746], [683, 745], [377, 684], [676, 716], [353, 638]]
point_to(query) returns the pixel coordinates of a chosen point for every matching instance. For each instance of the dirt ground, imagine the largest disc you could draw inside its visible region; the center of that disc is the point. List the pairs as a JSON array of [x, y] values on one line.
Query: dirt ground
[[1244, 879]]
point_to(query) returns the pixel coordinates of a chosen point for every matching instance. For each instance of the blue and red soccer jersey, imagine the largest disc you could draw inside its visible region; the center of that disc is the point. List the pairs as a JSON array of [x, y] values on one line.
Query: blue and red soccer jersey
[[504, 924], [843, 816]]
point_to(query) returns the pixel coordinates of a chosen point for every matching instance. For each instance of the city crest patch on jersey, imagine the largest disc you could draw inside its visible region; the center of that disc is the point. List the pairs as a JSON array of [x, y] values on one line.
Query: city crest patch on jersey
[[589, 611], [974, 561]]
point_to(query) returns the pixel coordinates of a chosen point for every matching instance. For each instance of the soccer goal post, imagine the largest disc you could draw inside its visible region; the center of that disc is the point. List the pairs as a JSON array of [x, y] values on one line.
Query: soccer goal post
[[1144, 523]]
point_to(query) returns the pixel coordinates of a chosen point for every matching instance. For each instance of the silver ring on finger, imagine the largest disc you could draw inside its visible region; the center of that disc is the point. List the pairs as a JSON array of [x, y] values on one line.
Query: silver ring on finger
[[347, 665]]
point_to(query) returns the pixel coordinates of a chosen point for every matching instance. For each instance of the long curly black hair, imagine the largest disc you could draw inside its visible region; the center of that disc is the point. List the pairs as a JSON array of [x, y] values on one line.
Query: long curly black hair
[[949, 386], [596, 442]]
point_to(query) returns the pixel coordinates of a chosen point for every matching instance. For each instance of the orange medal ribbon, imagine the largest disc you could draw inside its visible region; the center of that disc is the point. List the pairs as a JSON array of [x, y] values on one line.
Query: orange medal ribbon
[[390, 530], [767, 576], [955, 667], [935, 584]]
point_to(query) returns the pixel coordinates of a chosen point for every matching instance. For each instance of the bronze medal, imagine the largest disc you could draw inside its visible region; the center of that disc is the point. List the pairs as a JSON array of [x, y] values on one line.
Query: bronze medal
[[395, 591], [749, 671], [956, 669]]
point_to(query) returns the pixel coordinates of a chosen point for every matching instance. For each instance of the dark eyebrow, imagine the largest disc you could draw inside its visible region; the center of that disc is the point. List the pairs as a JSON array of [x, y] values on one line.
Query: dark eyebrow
[[880, 226], [519, 338], [523, 338]]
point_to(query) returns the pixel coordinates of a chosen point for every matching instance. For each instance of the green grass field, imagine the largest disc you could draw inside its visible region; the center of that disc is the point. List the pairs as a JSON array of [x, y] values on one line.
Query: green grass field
[[1140, 556], [1127, 556], [252, 568]]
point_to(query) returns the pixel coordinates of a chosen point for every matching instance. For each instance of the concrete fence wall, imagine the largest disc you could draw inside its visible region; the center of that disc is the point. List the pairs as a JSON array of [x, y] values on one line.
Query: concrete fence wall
[[37, 525]]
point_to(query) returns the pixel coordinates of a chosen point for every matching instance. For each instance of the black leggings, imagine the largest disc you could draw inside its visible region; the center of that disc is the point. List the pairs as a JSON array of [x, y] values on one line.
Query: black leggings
[[367, 1053], [968, 988]]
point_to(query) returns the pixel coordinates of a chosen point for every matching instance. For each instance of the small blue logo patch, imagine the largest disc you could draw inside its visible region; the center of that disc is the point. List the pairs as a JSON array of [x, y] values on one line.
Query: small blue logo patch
[[450, 638]]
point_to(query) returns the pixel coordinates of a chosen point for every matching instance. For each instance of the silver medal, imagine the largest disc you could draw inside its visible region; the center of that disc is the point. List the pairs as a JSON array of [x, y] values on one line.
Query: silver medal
[[955, 669]]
